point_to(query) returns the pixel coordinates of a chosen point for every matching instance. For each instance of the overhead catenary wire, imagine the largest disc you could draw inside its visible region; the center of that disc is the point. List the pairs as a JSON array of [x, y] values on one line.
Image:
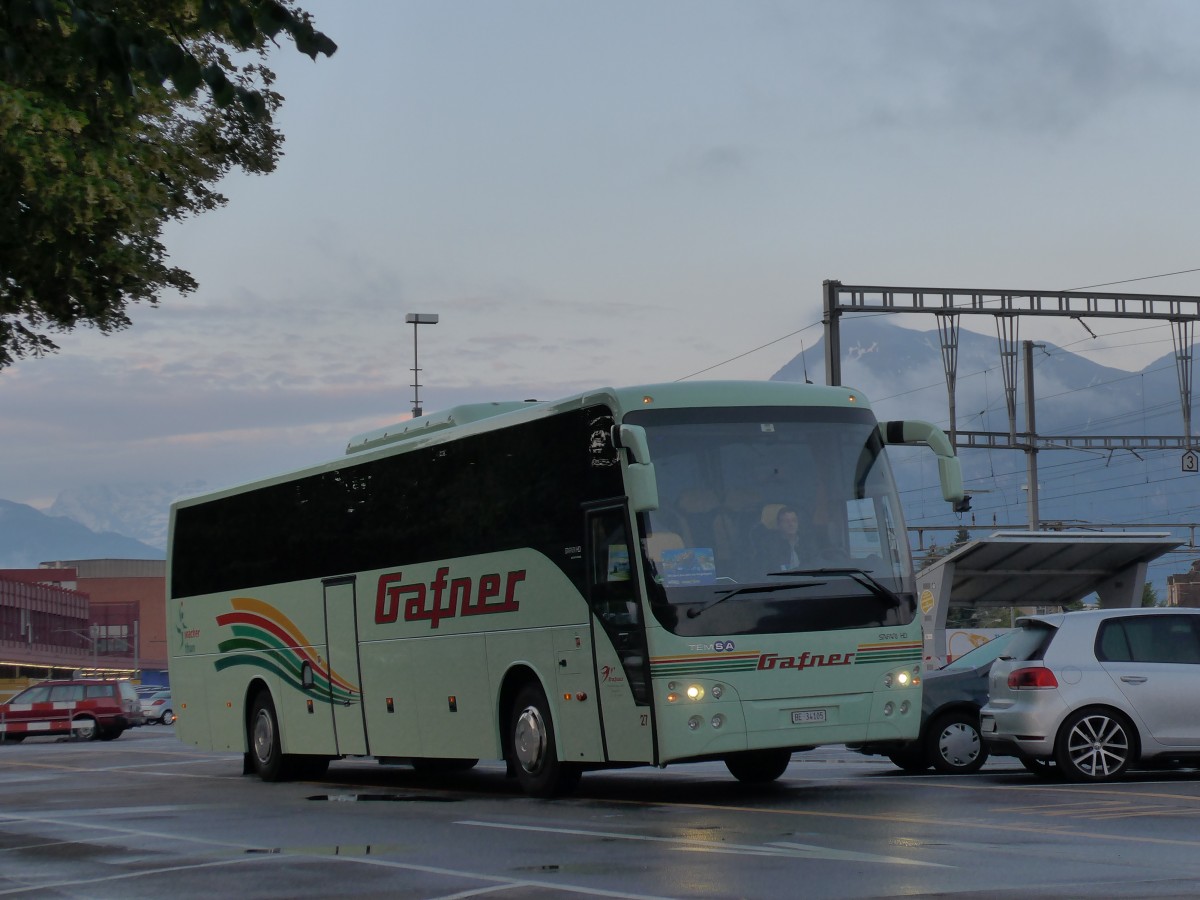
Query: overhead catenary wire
[[1119, 472]]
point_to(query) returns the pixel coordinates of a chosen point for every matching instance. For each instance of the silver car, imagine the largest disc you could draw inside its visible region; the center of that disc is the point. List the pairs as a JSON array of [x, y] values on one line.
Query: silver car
[[1096, 691], [158, 708]]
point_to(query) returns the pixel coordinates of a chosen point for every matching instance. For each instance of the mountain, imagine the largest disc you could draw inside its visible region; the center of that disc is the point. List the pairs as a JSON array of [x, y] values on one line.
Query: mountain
[[140, 511], [29, 537], [900, 371]]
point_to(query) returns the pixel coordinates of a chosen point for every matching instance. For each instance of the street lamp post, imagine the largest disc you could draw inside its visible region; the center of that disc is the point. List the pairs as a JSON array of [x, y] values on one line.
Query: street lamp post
[[416, 319]]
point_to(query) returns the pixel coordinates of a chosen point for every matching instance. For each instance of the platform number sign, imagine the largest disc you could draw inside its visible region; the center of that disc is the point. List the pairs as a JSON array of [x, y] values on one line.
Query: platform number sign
[[1191, 461]]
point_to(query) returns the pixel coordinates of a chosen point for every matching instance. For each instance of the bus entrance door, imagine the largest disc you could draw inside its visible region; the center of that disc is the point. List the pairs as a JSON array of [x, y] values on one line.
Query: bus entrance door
[[345, 692], [619, 638]]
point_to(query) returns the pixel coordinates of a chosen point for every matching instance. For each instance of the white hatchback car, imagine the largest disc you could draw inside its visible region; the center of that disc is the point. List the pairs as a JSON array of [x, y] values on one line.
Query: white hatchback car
[[1096, 691]]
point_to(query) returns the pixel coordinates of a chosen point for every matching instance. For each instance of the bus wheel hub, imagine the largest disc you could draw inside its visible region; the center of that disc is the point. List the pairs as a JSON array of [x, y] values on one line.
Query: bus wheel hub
[[529, 739]]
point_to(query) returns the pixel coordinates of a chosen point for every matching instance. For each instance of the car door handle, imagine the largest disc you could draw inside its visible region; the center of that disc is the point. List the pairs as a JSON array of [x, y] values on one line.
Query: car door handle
[[1134, 679]]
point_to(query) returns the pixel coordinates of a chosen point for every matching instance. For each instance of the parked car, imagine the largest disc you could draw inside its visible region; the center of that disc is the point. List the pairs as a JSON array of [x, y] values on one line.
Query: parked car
[[86, 708], [1098, 691], [951, 697], [157, 708]]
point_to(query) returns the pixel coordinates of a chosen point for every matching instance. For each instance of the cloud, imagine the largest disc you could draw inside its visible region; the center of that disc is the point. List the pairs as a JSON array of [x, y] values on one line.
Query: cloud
[[1020, 65]]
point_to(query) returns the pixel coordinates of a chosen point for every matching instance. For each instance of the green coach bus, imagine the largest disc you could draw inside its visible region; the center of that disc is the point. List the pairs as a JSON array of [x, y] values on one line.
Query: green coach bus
[[647, 575]]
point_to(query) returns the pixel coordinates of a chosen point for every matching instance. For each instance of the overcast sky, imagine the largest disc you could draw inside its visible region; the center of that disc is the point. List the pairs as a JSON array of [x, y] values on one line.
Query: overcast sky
[[624, 192]]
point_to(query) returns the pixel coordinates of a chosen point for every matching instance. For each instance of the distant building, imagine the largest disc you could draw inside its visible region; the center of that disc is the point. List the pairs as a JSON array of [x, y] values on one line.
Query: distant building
[[1184, 590], [66, 615], [43, 627]]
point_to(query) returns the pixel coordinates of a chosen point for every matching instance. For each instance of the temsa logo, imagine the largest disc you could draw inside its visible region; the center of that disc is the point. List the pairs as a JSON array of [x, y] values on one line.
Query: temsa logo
[[804, 661], [448, 596]]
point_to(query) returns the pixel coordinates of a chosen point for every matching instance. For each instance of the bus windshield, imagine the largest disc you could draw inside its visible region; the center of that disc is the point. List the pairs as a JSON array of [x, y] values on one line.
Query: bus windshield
[[773, 519]]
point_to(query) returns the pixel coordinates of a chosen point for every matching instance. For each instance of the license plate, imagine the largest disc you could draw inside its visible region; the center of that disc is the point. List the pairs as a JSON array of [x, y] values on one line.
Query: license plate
[[987, 725], [807, 716]]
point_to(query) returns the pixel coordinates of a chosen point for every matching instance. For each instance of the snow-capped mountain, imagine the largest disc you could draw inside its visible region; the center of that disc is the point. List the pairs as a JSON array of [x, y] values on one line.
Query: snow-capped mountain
[[140, 511], [29, 537]]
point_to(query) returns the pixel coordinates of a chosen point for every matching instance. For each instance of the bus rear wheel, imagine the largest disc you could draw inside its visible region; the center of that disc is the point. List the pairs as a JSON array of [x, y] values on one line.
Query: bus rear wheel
[[533, 752], [265, 754], [758, 766]]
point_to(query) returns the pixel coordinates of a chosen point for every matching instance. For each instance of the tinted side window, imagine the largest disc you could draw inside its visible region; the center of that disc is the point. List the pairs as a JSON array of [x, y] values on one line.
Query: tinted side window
[[522, 486], [61, 693], [1160, 639], [1030, 641], [99, 690]]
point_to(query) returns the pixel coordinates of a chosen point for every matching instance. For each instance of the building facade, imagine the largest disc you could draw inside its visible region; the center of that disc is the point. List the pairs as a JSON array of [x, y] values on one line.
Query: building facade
[[106, 615]]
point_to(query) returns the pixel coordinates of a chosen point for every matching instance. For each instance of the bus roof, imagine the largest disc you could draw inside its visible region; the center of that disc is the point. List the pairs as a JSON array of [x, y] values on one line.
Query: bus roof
[[480, 417], [668, 395]]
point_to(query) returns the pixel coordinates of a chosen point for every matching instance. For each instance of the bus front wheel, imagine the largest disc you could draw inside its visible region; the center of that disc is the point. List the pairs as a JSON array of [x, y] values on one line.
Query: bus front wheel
[[533, 750], [758, 766]]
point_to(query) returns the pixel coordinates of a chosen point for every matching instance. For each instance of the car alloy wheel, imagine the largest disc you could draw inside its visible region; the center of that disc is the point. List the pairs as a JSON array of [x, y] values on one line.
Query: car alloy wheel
[[1094, 745]]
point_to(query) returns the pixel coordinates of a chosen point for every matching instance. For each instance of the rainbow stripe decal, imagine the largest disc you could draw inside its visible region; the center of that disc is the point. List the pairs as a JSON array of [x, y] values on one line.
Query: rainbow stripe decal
[[267, 639], [703, 664], [893, 651]]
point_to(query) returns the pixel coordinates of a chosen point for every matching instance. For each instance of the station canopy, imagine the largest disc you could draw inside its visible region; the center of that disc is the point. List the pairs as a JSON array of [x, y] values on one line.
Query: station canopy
[[1031, 570], [1047, 568]]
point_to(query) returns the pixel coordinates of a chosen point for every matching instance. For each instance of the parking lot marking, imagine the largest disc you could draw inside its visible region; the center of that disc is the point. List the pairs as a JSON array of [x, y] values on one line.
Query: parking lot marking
[[166, 870], [924, 822], [775, 848], [496, 880]]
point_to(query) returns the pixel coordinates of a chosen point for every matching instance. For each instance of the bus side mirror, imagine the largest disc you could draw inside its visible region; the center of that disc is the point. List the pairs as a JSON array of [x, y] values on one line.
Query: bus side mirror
[[641, 485], [949, 468]]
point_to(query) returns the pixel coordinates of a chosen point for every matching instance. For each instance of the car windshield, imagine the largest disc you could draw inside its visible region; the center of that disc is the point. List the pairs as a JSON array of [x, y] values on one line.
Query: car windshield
[[981, 655], [773, 519]]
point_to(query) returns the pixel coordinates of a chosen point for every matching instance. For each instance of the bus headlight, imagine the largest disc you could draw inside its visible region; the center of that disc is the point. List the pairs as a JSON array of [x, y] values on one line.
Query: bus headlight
[[694, 722], [717, 691], [901, 679], [717, 721], [695, 692]]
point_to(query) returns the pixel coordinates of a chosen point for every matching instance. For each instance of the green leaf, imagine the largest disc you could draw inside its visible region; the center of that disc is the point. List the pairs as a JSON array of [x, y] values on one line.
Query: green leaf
[[241, 23], [187, 77]]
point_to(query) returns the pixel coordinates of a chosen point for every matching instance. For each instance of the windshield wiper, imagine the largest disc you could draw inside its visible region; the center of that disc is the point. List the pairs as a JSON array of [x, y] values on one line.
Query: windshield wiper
[[748, 589], [858, 576]]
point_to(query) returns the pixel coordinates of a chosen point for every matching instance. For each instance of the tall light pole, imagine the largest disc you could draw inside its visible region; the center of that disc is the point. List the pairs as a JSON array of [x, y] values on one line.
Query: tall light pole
[[416, 319]]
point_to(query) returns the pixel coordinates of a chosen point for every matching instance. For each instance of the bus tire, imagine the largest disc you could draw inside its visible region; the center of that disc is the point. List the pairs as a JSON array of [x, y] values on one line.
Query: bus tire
[[758, 766], [266, 757], [533, 750]]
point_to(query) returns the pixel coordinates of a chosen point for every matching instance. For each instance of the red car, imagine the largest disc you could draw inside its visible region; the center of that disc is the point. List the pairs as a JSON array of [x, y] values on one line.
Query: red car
[[86, 708]]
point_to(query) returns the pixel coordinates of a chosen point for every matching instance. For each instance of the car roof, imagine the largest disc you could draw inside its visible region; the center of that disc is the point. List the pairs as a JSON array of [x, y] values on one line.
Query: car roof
[[1056, 619]]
